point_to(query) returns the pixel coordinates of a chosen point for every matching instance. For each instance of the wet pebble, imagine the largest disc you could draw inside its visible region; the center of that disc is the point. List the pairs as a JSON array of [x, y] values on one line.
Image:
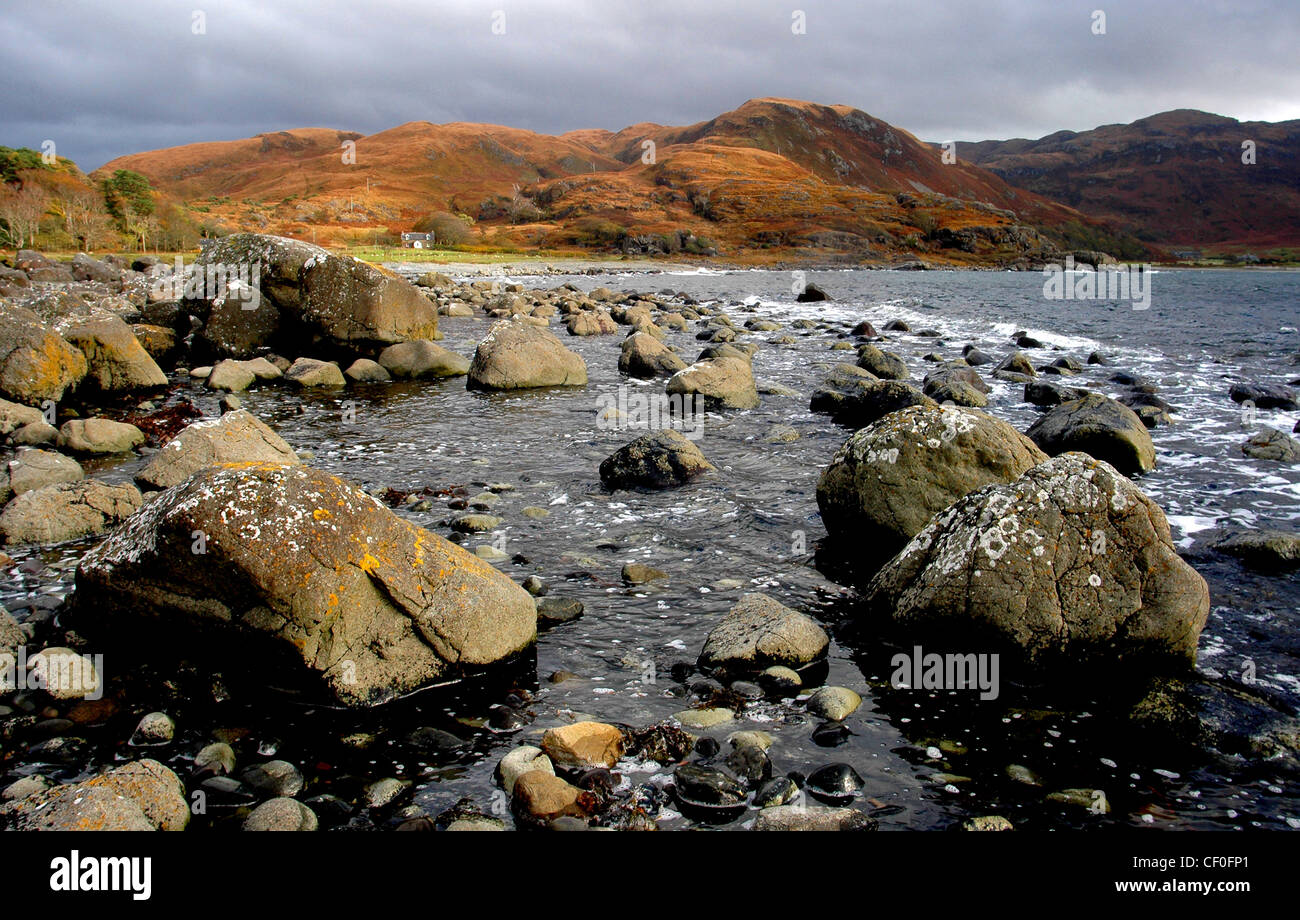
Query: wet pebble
[[834, 784]]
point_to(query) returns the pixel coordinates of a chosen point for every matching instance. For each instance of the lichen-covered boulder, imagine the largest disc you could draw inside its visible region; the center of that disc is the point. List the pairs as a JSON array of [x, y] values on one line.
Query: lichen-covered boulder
[[889, 479], [306, 576], [236, 437], [36, 363], [1070, 563], [520, 356], [117, 361], [883, 364], [67, 511], [302, 294], [140, 796]]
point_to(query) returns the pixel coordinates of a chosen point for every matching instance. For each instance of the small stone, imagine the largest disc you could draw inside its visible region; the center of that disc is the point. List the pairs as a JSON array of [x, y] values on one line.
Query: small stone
[[535, 513], [552, 610], [384, 792], [1094, 800], [154, 728], [584, 745], [541, 795], [281, 814], [534, 586], [987, 823], [634, 573], [804, 818], [275, 777], [834, 703], [704, 718], [522, 760], [217, 759], [835, 783]]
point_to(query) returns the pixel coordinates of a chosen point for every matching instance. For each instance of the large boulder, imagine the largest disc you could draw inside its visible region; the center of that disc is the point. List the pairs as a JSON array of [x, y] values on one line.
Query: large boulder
[[520, 356], [422, 358], [956, 384], [723, 378], [306, 576], [67, 511], [117, 361], [1070, 563], [591, 322], [301, 294], [654, 461], [236, 437], [98, 436], [32, 469], [140, 796], [889, 479], [36, 363], [86, 267], [643, 355], [1100, 426], [760, 632]]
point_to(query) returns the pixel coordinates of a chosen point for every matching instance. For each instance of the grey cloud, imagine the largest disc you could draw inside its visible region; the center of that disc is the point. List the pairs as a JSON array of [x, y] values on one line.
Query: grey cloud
[[103, 79]]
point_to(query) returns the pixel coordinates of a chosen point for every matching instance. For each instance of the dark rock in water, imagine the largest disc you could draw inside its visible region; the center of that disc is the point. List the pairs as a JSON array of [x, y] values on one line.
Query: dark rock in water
[[862, 402], [274, 778], [331, 810], [835, 784], [430, 740], [883, 364], [961, 386], [707, 747], [1028, 341], [750, 763], [889, 479], [553, 610], [1108, 587], [1124, 378], [1043, 393], [831, 734], [1271, 444], [1098, 358], [662, 743], [811, 293], [974, 357], [1153, 416], [1264, 396], [1099, 426], [1017, 363], [865, 328], [897, 325], [1068, 364], [1268, 550], [654, 461], [746, 690], [708, 788], [776, 791]]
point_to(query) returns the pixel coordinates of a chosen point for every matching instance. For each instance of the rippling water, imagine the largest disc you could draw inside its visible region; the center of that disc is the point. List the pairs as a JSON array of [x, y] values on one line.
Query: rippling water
[[754, 526]]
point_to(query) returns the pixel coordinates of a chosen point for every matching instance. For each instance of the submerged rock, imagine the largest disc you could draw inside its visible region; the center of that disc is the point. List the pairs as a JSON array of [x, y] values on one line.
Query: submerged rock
[[1271, 444], [297, 567], [1069, 563]]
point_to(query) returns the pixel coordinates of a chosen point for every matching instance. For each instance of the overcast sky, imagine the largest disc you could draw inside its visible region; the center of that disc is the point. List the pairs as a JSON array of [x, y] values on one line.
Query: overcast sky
[[103, 79]]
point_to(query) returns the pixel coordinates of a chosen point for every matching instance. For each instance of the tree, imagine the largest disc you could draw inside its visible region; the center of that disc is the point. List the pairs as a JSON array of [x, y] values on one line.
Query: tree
[[84, 216], [21, 209], [447, 229]]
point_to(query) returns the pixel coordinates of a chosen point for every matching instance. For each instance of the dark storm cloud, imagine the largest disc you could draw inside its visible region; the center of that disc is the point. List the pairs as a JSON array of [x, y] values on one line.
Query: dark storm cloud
[[105, 79]]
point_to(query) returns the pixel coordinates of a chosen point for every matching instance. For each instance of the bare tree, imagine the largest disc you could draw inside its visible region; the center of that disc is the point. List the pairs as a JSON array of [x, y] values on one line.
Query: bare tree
[[22, 210]]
